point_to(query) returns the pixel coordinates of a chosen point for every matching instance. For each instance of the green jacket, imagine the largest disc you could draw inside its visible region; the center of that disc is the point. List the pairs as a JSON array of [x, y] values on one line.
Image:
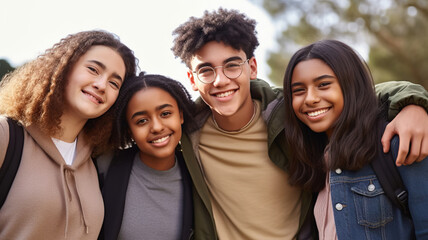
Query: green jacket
[[272, 104], [402, 93]]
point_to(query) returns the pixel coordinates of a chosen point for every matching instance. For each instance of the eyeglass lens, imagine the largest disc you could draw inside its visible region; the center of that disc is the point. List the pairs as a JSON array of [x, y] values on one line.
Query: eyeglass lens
[[231, 70]]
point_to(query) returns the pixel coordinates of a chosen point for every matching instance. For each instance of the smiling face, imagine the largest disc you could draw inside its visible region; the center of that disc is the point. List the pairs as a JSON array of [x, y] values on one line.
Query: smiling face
[[154, 120], [317, 96], [227, 98], [93, 83]]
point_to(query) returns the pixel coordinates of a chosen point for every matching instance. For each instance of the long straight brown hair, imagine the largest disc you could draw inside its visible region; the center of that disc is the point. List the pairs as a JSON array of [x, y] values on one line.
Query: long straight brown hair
[[354, 139]]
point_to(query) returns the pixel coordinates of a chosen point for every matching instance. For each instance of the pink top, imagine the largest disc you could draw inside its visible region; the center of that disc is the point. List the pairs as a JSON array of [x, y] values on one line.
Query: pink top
[[323, 212]]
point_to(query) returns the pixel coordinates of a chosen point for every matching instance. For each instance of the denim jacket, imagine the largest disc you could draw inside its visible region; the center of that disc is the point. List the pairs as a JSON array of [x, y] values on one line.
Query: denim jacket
[[363, 211]]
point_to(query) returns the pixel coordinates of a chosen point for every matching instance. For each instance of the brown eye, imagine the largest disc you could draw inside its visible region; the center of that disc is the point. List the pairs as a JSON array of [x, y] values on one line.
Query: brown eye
[[165, 114], [115, 84], [93, 69]]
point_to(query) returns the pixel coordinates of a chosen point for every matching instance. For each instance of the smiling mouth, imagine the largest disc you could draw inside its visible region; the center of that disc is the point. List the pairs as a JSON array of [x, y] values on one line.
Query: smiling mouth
[[224, 94], [160, 139], [96, 99], [317, 113]]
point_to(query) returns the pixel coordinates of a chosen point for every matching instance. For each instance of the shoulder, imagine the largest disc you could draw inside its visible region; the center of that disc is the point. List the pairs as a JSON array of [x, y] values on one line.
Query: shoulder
[[124, 157], [269, 96], [261, 87], [116, 158], [395, 143], [4, 126], [414, 170], [4, 136]]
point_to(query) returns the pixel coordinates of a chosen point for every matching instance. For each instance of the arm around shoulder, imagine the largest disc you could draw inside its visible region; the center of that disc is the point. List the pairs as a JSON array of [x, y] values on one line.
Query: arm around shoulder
[[401, 94]]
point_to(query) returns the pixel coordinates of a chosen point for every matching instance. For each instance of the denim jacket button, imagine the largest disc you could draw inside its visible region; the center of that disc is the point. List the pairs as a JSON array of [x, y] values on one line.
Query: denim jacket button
[[339, 207], [371, 188], [338, 171]]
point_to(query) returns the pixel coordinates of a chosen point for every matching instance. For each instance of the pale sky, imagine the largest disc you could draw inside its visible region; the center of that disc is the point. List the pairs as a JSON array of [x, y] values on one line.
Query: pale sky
[[29, 27]]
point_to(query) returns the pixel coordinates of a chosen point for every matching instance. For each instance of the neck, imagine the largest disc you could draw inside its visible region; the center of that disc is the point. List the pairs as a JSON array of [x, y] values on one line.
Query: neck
[[70, 128], [160, 164], [329, 132], [238, 121]]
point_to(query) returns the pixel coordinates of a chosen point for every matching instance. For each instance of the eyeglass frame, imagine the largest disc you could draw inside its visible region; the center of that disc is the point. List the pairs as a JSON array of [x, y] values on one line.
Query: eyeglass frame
[[215, 74]]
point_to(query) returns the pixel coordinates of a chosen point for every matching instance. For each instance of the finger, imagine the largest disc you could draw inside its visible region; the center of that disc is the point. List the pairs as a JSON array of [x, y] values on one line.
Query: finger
[[424, 150], [415, 150], [403, 150], [387, 136]]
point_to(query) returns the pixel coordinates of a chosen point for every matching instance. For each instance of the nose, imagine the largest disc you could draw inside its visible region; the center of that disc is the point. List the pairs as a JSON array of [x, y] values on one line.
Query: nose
[[312, 97], [100, 83], [157, 125], [220, 79]]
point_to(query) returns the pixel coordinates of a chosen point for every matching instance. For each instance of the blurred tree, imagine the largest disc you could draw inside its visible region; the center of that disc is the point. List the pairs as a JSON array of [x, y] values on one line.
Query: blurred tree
[[391, 34], [5, 68]]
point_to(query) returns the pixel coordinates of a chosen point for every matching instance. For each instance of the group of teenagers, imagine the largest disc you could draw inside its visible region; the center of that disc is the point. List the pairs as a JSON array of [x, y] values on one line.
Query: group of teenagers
[[112, 154]]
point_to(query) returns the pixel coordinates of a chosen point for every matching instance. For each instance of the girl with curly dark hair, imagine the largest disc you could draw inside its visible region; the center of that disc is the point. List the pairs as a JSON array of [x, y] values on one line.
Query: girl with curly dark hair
[[62, 100], [147, 189]]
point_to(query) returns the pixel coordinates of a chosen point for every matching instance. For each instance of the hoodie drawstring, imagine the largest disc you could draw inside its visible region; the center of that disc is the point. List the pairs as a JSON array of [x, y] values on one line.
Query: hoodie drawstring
[[66, 172]]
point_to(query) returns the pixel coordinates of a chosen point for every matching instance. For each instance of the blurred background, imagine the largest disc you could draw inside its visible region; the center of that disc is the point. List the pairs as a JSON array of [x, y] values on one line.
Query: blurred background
[[391, 35]]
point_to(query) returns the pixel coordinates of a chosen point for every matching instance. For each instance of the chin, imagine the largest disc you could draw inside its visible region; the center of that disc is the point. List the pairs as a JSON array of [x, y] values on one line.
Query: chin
[[226, 112]]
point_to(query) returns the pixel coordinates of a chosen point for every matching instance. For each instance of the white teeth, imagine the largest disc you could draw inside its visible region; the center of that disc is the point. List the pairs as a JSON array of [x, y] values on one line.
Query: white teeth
[[316, 113], [93, 97], [160, 140], [225, 94]]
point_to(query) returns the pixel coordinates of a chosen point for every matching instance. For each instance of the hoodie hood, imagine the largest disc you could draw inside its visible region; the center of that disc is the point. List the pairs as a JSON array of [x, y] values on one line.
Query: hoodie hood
[[67, 172]]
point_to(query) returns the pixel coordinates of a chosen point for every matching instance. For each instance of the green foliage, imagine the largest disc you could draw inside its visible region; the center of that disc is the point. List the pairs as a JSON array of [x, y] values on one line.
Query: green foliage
[[5, 68], [394, 32]]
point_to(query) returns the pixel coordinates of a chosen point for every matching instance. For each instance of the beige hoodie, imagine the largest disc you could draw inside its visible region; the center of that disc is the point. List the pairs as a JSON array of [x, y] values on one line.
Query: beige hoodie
[[49, 199]]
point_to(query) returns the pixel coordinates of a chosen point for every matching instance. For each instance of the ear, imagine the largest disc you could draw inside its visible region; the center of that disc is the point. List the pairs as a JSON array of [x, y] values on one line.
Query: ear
[[181, 117], [191, 77], [253, 68], [130, 133]]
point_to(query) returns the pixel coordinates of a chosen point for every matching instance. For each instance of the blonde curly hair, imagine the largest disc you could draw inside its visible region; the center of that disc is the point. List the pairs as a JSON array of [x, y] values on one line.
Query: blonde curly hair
[[33, 94]]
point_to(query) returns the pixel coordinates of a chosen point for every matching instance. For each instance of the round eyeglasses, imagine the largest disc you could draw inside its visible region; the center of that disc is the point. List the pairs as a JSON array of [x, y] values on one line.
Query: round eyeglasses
[[231, 70]]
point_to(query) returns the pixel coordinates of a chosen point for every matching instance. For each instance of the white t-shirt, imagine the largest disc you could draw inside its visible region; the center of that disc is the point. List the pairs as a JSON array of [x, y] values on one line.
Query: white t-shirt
[[67, 150]]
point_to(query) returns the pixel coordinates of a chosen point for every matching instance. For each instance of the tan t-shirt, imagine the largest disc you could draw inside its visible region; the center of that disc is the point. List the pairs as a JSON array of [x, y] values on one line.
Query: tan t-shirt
[[250, 195]]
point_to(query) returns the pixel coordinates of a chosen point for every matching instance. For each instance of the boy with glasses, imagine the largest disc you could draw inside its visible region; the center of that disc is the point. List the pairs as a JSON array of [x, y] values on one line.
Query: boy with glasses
[[237, 156]]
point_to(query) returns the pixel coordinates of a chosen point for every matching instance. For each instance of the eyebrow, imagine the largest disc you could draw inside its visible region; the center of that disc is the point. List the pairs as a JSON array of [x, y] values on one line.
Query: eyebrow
[[322, 77], [101, 65], [315, 79], [206, 64], [157, 109]]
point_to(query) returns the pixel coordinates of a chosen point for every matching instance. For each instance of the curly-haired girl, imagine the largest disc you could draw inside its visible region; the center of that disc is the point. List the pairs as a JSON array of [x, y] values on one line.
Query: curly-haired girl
[[147, 189], [62, 100]]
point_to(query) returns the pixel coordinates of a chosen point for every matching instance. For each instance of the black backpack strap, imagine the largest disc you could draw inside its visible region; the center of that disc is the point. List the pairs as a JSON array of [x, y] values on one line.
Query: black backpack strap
[[102, 164], [12, 159], [389, 177], [114, 192]]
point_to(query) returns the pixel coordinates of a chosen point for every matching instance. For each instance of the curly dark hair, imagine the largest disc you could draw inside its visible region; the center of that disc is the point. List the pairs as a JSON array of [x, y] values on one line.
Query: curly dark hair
[[228, 26], [34, 93], [121, 136], [353, 141]]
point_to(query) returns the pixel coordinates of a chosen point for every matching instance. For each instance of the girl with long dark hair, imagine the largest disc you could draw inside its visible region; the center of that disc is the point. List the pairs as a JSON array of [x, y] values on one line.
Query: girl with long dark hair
[[334, 124]]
